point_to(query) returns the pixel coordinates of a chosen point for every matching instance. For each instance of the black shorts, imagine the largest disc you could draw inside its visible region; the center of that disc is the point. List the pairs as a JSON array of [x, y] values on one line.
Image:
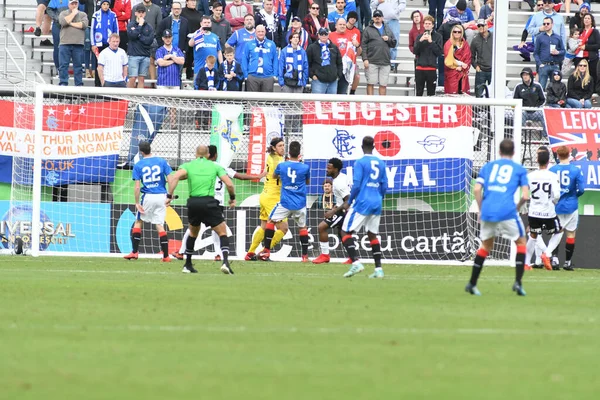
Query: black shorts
[[204, 210], [44, 2], [337, 220], [544, 225]]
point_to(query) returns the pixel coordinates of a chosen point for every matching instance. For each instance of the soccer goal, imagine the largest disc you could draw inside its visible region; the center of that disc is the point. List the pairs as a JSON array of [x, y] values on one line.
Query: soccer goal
[[72, 150]]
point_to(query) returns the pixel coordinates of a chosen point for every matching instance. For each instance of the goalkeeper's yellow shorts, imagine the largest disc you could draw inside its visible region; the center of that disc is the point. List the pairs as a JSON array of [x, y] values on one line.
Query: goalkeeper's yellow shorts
[[267, 203]]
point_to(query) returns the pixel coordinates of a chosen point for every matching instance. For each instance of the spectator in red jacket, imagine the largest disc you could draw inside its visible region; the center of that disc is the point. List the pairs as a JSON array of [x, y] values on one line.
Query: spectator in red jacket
[[235, 13], [313, 21], [416, 30], [123, 10]]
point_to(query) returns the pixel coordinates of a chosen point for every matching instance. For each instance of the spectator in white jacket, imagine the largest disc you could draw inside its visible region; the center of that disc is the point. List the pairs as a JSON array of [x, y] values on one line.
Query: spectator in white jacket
[[391, 10]]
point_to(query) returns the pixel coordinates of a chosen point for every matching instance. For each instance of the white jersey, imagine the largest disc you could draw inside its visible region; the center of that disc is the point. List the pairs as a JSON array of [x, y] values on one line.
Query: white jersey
[[545, 192], [341, 188], [220, 187]]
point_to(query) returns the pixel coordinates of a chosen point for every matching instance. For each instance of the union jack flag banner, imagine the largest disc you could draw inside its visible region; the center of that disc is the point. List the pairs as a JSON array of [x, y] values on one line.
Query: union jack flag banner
[[577, 129]]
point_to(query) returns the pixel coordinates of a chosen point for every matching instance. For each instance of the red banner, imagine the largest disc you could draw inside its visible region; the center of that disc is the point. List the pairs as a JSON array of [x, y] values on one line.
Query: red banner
[[266, 124], [578, 129]]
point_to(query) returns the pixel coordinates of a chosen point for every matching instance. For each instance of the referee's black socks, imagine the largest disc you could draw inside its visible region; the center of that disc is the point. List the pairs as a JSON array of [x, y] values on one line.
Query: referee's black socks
[[225, 248], [189, 248]]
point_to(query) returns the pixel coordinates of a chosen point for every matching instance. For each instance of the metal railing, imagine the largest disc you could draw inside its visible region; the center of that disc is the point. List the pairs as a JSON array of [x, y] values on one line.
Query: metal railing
[[7, 53]]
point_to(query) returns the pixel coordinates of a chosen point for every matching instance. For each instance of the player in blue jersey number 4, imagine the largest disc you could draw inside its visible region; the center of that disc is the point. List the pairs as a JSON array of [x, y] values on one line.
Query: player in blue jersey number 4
[[151, 175], [366, 202], [495, 190], [294, 177]]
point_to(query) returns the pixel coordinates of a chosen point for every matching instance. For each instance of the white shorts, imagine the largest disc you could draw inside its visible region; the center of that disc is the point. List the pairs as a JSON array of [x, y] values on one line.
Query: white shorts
[[569, 221], [354, 221], [279, 213], [155, 209], [511, 229]]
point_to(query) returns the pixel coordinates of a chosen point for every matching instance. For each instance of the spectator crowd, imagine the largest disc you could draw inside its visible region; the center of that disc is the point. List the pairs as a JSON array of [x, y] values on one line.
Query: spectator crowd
[[234, 46]]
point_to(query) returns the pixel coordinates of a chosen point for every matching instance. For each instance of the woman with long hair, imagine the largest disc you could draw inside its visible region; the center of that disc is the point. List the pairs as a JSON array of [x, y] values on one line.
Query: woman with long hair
[[457, 62], [580, 87], [590, 44]]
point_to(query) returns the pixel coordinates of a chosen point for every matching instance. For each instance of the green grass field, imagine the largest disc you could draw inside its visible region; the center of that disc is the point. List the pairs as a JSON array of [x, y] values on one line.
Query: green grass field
[[110, 329]]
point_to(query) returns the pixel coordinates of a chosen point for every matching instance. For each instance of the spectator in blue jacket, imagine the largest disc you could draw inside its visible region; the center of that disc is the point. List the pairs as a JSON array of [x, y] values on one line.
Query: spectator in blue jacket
[[141, 37], [260, 63], [548, 52], [293, 66], [104, 24]]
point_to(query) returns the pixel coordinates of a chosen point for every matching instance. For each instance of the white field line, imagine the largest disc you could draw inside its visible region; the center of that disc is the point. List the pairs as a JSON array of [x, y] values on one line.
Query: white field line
[[462, 277], [296, 330]]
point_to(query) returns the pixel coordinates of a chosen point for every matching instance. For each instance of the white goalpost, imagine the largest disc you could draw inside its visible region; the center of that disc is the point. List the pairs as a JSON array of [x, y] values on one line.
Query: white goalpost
[[72, 150]]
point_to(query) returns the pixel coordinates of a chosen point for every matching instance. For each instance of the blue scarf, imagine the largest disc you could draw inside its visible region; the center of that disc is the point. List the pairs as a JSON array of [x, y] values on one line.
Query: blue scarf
[[260, 47], [227, 69], [210, 78], [325, 55], [293, 63]]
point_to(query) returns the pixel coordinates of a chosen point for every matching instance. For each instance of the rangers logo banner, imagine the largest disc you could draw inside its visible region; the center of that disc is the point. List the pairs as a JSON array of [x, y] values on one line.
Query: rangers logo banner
[[423, 145], [579, 130], [80, 142]]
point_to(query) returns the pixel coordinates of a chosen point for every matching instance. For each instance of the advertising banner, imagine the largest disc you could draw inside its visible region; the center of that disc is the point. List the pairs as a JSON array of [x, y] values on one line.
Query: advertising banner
[[81, 142], [579, 130], [423, 146], [267, 123], [66, 227]]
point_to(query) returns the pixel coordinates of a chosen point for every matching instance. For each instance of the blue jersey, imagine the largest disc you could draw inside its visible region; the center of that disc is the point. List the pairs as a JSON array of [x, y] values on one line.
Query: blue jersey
[[152, 172], [571, 187], [500, 180], [238, 41], [333, 16], [205, 44], [170, 75], [369, 185], [293, 175]]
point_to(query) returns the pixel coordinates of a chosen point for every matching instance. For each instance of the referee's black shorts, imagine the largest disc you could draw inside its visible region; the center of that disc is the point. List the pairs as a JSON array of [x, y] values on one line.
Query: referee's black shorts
[[204, 210]]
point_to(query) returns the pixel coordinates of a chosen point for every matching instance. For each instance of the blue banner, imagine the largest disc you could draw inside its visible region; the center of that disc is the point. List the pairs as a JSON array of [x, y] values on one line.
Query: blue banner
[[408, 176], [66, 227], [591, 173]]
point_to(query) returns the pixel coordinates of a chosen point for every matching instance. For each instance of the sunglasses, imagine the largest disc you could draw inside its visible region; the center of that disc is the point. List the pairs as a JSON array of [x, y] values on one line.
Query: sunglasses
[[315, 8], [582, 65], [547, 23], [456, 32]]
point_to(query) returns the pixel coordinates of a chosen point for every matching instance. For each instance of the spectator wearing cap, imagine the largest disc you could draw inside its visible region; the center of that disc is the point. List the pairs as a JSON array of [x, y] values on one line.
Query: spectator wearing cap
[[205, 43], [314, 21], [576, 21], [338, 12], [556, 91], [428, 48], [141, 36], [235, 12], [112, 64], [104, 24], [465, 16], [325, 64], [178, 26], [122, 8], [260, 63], [72, 37], [532, 95], [293, 66], [270, 20], [482, 54], [377, 39], [241, 37], [577, 2], [297, 28], [548, 52], [169, 60], [580, 87], [220, 26], [536, 25], [391, 10]]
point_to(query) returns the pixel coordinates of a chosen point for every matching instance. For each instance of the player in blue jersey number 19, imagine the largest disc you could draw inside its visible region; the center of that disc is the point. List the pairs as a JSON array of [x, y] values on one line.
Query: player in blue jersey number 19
[[151, 175], [294, 177], [366, 202], [495, 189]]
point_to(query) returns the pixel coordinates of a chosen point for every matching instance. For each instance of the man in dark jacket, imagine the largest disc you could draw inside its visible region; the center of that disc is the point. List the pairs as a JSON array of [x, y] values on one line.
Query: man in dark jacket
[[556, 91], [377, 39], [141, 37], [176, 24], [532, 95], [482, 51], [220, 26], [325, 64], [428, 47]]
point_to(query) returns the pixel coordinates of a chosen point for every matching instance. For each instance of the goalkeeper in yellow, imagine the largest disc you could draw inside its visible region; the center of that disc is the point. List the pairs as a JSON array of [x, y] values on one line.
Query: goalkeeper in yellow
[[268, 198]]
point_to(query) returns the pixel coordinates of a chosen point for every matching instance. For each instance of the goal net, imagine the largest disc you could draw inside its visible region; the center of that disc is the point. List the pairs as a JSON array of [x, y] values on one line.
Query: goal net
[[73, 151]]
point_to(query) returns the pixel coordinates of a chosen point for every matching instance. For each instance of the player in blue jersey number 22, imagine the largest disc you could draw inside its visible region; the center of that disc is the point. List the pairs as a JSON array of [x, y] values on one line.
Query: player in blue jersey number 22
[[495, 190]]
